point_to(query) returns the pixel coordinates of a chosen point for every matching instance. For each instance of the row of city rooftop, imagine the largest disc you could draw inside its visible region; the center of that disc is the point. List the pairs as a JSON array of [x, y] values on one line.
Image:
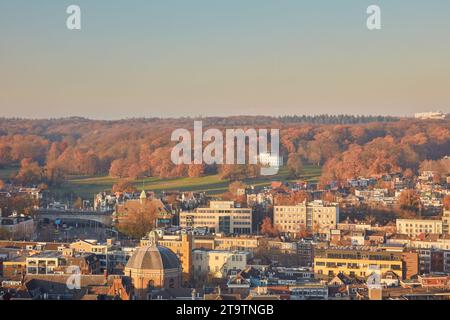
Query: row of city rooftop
[[174, 263], [214, 251], [377, 191]]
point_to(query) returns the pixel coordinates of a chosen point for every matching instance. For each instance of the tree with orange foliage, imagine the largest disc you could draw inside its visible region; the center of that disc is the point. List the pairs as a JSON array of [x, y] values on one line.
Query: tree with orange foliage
[[295, 165], [267, 228], [54, 173], [78, 204], [54, 169], [446, 202], [53, 153], [329, 197], [437, 178], [440, 167], [235, 172], [408, 174], [139, 221], [30, 172], [196, 170], [134, 171], [292, 198], [124, 186], [409, 200], [233, 195], [235, 186], [137, 225], [2, 185], [118, 168], [145, 155], [303, 232], [5, 154]]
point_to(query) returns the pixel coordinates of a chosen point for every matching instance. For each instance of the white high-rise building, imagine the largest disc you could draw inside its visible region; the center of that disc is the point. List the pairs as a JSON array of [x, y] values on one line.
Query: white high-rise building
[[316, 216], [437, 115], [221, 216]]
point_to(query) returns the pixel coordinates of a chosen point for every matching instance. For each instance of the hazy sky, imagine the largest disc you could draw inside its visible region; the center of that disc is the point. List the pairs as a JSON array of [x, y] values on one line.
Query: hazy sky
[[169, 58]]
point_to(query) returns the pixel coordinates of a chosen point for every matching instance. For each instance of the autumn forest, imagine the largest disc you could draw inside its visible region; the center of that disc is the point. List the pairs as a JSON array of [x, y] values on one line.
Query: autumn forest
[[49, 151]]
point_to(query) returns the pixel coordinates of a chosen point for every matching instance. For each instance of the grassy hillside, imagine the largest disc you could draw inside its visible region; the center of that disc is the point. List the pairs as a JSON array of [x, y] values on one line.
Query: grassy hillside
[[86, 187], [6, 172]]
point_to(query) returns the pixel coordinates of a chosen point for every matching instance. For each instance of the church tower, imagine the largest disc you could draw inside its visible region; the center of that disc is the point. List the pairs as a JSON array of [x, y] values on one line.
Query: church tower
[[143, 197]]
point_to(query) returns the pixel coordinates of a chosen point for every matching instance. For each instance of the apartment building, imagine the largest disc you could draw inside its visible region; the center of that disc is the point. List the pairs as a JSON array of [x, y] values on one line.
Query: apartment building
[[19, 226], [316, 216], [45, 262], [430, 242], [359, 261], [433, 251], [309, 291], [89, 246], [107, 253], [220, 217], [14, 268], [220, 241], [217, 263], [414, 227], [239, 243]]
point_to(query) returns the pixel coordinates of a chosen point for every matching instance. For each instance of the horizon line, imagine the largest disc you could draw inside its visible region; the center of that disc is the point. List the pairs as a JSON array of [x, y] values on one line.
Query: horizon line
[[73, 117]]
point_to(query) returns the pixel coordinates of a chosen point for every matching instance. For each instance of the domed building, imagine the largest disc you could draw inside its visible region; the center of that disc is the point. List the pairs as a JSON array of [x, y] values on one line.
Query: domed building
[[153, 266]]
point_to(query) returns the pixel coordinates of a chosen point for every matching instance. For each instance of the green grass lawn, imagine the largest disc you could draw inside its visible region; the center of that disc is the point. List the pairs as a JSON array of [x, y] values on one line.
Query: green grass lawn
[[6, 172], [86, 187]]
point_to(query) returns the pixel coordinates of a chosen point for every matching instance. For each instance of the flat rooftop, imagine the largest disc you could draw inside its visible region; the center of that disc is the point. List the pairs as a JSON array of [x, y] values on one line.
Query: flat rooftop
[[47, 254]]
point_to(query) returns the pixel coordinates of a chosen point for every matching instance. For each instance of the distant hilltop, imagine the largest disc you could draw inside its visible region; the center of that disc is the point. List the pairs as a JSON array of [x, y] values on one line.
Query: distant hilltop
[[434, 115], [237, 120]]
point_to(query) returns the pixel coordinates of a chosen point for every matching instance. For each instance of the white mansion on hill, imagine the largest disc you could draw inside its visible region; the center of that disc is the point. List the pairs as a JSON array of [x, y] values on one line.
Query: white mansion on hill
[[437, 115]]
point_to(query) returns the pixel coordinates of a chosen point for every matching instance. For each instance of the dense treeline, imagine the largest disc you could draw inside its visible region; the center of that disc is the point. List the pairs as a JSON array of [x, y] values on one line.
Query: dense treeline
[[336, 119], [346, 146]]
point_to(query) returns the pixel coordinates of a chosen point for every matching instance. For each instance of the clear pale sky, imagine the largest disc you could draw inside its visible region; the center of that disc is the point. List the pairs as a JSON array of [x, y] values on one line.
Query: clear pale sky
[[223, 57]]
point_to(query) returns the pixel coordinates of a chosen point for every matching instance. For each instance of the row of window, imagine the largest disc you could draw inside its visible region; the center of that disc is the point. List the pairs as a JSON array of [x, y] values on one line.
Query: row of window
[[246, 217], [216, 269], [303, 209], [249, 211], [424, 229], [302, 222], [418, 225], [362, 256], [319, 216], [239, 258], [232, 242], [356, 265]]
